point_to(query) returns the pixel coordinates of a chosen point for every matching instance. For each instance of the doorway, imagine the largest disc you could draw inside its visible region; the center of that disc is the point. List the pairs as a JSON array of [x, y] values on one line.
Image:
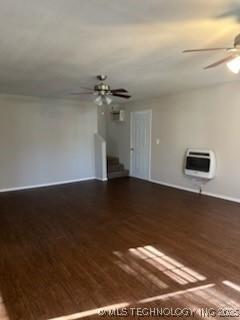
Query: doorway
[[140, 144]]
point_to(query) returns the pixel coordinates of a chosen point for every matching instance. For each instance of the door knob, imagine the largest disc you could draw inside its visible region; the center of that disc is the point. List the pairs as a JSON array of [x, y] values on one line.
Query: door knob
[[132, 149]]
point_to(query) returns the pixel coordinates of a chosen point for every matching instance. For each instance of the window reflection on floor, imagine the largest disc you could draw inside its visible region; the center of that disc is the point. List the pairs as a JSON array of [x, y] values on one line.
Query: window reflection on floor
[[92, 312], [136, 262], [232, 285], [175, 294], [200, 299], [3, 311], [152, 265]]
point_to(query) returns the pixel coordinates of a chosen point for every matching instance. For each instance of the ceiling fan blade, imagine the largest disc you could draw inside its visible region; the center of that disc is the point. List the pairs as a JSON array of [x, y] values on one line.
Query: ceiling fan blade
[[79, 93], [237, 40], [229, 58], [126, 96], [207, 49], [119, 90], [85, 88]]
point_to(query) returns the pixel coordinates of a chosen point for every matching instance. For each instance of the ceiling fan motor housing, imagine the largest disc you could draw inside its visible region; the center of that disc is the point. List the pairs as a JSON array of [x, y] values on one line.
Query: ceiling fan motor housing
[[102, 88], [102, 77]]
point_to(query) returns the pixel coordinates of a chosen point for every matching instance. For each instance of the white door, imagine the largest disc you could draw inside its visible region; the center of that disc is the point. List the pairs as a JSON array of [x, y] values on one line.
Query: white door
[[140, 144]]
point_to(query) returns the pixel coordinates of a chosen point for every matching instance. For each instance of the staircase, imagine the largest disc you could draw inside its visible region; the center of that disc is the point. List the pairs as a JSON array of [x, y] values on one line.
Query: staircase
[[115, 169]]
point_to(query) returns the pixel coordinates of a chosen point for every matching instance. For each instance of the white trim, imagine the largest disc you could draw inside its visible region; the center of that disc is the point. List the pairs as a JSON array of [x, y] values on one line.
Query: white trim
[[100, 179], [210, 194], [150, 146], [100, 157], [150, 142], [174, 186], [131, 140], [49, 184], [221, 196]]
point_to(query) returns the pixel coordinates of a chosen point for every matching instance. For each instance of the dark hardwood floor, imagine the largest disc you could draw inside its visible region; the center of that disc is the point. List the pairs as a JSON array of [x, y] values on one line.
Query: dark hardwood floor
[[66, 251]]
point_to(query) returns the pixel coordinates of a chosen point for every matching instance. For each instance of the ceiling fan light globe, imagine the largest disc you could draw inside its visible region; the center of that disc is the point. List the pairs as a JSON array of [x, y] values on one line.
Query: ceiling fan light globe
[[99, 101], [108, 100], [234, 65]]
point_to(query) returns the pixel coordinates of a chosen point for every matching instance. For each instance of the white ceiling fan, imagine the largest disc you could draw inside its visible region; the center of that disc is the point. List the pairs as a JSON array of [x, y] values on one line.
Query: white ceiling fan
[[232, 60]]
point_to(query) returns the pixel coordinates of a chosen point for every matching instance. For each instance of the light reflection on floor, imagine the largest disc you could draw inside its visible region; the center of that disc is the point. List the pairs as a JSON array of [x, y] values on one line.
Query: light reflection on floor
[[176, 293], [136, 261], [206, 296], [3, 311], [151, 256], [232, 285], [92, 312]]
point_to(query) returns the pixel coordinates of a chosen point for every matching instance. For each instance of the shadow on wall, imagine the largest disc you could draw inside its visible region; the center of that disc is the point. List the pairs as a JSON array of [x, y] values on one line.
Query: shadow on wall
[[233, 12], [146, 13]]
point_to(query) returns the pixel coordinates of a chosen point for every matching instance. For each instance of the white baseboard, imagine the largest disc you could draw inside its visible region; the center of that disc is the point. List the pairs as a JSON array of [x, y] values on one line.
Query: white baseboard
[[49, 184], [220, 196], [100, 179], [173, 186], [224, 197], [210, 194]]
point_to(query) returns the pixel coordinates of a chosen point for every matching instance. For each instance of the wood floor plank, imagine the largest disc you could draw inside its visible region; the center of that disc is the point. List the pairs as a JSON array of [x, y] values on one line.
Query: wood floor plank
[[65, 250]]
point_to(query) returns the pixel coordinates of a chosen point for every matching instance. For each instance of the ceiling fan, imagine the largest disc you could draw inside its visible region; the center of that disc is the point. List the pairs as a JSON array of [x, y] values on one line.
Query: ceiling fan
[[104, 92], [232, 59]]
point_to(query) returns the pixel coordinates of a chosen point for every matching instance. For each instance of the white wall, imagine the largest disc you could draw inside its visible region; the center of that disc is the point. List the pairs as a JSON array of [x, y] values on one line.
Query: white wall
[[102, 114], [45, 141], [100, 157], [204, 118]]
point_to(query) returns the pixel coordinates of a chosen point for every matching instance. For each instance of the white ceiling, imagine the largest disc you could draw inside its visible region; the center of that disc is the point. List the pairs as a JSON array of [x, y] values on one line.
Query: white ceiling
[[52, 47]]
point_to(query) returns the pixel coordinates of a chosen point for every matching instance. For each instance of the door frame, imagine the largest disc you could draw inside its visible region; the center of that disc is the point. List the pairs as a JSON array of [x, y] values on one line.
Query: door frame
[[149, 111]]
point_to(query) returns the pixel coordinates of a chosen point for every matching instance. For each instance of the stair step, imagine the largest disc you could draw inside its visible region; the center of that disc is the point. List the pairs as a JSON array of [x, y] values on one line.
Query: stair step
[[112, 160], [118, 174], [114, 167]]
